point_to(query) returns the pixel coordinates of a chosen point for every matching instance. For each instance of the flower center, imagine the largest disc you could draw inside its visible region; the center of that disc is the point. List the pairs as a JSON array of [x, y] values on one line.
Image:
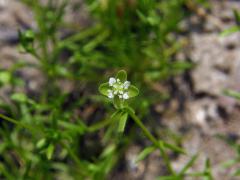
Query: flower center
[[118, 88]]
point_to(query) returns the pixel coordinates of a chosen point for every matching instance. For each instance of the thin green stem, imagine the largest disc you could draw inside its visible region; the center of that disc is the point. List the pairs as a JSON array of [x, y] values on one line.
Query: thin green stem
[[159, 144], [11, 120], [99, 125]]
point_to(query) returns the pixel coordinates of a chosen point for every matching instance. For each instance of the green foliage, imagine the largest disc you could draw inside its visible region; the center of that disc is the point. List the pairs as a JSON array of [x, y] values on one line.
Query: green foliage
[[142, 155], [27, 41], [122, 122], [49, 133]]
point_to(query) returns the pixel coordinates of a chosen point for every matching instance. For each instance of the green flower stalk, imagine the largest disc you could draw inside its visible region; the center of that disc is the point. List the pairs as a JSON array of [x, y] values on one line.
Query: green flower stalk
[[119, 91]]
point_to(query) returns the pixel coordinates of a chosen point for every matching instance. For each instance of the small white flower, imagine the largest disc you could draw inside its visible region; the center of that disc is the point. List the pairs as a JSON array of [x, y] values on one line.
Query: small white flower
[[120, 96], [125, 96], [112, 81], [126, 84]]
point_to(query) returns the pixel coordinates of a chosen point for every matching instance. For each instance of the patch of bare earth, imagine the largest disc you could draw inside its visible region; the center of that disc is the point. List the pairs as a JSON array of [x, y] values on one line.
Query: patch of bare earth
[[208, 112]]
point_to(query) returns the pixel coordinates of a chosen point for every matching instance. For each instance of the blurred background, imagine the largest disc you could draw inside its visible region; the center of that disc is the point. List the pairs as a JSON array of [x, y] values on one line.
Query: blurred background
[[183, 55]]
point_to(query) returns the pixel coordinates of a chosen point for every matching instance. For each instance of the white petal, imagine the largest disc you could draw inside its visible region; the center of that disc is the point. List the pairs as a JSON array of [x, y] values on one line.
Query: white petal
[[110, 95], [126, 84], [125, 96], [111, 81]]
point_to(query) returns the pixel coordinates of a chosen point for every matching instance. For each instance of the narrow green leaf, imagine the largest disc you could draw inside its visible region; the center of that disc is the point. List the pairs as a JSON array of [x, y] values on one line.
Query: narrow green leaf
[[108, 151], [80, 128], [171, 177], [41, 143], [143, 154], [133, 91], [174, 148], [5, 77], [189, 164], [129, 109], [141, 16], [122, 122], [207, 164], [19, 97], [24, 125], [229, 31], [103, 89], [116, 115], [207, 170], [29, 34], [117, 103], [182, 65], [229, 163], [95, 42], [50, 151], [236, 173], [232, 93], [237, 16], [122, 75]]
